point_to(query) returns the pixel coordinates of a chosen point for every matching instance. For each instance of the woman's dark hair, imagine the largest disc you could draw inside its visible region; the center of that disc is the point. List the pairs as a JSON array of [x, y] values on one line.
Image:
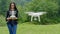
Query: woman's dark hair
[[14, 6]]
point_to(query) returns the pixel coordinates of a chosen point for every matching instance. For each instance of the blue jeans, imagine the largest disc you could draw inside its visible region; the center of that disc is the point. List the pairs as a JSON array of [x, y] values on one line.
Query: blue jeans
[[12, 29]]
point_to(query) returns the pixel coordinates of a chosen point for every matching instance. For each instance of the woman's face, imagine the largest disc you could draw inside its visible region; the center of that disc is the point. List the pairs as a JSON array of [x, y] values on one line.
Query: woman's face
[[12, 6]]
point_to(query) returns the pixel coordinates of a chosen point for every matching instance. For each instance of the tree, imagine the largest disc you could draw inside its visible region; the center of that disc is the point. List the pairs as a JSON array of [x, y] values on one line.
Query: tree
[[4, 6]]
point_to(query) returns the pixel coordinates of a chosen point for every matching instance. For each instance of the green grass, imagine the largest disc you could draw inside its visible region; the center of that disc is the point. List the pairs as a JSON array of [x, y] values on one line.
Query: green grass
[[27, 28]]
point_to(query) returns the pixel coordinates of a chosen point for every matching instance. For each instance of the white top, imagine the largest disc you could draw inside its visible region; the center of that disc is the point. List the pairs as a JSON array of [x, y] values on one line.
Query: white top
[[12, 14]]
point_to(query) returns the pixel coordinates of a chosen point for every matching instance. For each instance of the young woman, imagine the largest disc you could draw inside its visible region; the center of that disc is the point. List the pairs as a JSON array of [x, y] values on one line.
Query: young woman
[[11, 18]]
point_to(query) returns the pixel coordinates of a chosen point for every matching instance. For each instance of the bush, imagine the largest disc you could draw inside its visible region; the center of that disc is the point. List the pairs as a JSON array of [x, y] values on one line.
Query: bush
[[2, 20]]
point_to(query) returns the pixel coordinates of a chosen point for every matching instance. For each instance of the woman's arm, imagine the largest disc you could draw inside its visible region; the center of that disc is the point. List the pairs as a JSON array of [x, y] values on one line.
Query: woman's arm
[[16, 15], [7, 16]]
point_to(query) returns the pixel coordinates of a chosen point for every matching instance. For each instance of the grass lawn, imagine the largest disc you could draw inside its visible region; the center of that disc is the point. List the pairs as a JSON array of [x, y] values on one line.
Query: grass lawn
[[27, 28]]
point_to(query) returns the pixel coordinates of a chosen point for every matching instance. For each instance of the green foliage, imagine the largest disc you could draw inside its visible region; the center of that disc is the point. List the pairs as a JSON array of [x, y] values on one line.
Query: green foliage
[[22, 15], [2, 20], [51, 7], [3, 8]]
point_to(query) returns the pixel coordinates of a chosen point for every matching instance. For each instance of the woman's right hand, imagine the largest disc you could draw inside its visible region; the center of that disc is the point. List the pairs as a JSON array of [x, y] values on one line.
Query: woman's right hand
[[8, 18]]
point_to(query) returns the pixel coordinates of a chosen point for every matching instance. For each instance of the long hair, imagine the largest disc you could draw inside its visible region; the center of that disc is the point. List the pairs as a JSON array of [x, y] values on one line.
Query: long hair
[[14, 6]]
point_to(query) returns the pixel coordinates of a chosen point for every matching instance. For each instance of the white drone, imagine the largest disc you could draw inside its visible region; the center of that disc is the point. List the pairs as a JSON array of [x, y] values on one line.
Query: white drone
[[35, 14]]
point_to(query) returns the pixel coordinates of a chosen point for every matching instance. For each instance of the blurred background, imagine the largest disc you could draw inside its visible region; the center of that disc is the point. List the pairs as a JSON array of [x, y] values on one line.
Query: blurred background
[[49, 24], [52, 7]]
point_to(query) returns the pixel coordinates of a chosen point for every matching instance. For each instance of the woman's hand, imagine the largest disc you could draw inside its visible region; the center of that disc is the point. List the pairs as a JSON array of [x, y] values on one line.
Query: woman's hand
[[13, 18], [8, 18]]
